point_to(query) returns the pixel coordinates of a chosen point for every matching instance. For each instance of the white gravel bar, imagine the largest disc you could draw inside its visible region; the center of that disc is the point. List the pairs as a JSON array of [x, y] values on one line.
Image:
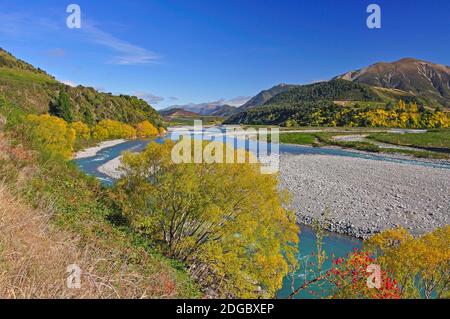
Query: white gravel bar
[[112, 168], [362, 197], [92, 151]]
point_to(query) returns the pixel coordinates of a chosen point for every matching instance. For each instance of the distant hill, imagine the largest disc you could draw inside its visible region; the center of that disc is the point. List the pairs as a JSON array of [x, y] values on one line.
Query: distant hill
[[208, 109], [335, 90], [380, 85], [175, 113], [307, 99], [421, 78], [264, 96], [224, 111], [33, 90], [337, 103], [179, 116]]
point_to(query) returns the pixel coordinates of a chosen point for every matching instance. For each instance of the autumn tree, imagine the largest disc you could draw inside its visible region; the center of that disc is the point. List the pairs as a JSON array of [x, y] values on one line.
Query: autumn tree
[[162, 131], [226, 221], [52, 133], [109, 129], [82, 131], [349, 277], [422, 265], [146, 129]]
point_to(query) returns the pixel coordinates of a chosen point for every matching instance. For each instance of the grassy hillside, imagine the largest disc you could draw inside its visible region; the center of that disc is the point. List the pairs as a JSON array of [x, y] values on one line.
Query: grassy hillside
[[53, 216], [343, 103], [262, 97], [34, 91], [336, 90]]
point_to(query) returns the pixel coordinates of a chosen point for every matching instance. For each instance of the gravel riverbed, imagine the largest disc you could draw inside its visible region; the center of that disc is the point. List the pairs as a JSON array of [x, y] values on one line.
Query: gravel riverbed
[[359, 196], [362, 197]]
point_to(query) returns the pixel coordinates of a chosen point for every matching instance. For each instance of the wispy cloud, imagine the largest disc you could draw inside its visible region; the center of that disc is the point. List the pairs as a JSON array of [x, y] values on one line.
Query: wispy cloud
[[127, 53], [149, 97], [26, 26], [69, 83]]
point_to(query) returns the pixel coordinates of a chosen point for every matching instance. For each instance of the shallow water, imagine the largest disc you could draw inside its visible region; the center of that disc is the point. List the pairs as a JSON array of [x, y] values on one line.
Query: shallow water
[[335, 246]]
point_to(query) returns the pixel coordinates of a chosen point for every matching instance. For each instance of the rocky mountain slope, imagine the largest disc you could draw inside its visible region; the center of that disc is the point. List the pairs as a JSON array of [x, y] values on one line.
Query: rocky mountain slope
[[426, 79]]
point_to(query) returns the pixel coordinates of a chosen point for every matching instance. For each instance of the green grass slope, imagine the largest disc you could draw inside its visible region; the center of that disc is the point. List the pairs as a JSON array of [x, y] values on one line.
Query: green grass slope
[[33, 90]]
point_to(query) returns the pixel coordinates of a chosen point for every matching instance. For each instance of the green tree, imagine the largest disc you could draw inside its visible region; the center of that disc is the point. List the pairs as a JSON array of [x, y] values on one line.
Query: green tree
[[62, 107]]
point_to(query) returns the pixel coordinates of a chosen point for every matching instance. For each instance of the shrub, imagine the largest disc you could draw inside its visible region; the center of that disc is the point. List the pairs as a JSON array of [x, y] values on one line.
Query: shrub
[[109, 129], [146, 129], [52, 133], [227, 221], [82, 131]]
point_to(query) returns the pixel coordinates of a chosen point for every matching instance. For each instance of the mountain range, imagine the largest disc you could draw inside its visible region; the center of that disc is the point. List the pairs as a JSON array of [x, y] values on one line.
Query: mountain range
[[409, 79], [217, 108], [421, 78], [381, 85]]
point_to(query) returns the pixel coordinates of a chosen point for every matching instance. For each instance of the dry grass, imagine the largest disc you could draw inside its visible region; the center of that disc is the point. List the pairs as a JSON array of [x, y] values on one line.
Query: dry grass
[[34, 258], [35, 254]]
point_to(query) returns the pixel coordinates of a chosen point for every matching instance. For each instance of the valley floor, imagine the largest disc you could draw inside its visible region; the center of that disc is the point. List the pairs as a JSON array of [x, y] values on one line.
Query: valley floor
[[359, 196]]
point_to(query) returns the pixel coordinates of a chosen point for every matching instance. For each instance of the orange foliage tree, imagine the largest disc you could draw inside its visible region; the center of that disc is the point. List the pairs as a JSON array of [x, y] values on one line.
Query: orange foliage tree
[[349, 277]]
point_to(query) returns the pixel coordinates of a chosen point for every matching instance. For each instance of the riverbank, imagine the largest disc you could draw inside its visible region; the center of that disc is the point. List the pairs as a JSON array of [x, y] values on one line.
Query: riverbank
[[361, 197], [112, 168], [92, 151]]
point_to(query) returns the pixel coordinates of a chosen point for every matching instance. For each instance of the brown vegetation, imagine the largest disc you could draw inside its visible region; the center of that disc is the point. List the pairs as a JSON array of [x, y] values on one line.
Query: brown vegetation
[[35, 251]]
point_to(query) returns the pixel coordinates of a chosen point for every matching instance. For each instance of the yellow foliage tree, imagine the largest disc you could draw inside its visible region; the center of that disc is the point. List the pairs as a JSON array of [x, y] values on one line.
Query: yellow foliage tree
[[422, 265], [100, 133], [439, 120], [82, 131], [162, 131], [52, 133], [227, 221], [402, 105], [109, 129], [146, 129]]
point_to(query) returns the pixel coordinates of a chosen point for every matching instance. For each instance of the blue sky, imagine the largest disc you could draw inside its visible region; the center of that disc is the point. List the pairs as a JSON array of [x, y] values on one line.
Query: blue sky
[[192, 51]]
